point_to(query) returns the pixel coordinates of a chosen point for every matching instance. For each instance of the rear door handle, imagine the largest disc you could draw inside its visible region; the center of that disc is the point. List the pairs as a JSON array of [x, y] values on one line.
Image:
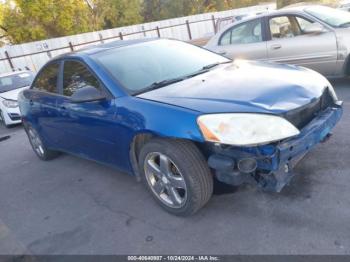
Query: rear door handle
[[31, 102], [276, 47]]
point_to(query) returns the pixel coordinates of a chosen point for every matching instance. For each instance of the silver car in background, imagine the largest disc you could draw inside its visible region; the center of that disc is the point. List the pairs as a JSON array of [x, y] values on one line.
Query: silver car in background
[[317, 37], [344, 5]]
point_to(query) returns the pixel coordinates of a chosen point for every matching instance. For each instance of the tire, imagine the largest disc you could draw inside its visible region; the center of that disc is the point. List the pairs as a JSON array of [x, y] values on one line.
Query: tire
[[188, 182], [38, 146], [3, 120]]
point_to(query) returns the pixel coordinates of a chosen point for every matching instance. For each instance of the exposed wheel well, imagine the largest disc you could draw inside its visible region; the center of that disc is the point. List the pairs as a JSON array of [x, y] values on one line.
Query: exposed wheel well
[[138, 142], [135, 148]]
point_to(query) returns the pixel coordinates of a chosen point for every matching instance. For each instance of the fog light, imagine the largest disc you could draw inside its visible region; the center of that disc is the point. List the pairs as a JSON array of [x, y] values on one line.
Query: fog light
[[221, 163], [247, 165]]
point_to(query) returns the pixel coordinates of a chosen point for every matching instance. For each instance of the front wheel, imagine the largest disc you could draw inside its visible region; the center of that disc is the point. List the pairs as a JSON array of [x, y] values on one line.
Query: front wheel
[[177, 175], [38, 146], [3, 120]]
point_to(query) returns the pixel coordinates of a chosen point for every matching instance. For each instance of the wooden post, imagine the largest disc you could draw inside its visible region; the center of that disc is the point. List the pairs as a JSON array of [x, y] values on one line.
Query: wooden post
[[189, 29], [101, 38], [158, 31], [71, 46], [214, 24], [120, 35], [9, 60]]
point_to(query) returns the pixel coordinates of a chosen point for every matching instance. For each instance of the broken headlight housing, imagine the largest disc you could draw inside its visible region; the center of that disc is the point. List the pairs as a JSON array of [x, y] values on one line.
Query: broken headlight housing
[[245, 129]]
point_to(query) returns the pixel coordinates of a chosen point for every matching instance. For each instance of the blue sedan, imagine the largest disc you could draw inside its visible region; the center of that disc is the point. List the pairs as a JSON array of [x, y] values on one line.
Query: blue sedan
[[178, 117]]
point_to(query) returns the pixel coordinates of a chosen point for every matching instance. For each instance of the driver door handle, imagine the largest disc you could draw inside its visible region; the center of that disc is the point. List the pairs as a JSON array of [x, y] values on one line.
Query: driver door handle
[[276, 46]]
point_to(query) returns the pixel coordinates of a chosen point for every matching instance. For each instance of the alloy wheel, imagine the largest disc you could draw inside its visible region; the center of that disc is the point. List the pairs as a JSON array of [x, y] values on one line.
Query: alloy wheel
[[165, 180], [36, 142]]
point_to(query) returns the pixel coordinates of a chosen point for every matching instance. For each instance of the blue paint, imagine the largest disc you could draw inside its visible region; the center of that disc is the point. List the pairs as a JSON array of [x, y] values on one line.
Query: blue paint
[[104, 130]]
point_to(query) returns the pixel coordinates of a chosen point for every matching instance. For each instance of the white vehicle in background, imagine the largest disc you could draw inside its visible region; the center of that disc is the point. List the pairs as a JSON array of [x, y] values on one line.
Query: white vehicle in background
[[10, 86]]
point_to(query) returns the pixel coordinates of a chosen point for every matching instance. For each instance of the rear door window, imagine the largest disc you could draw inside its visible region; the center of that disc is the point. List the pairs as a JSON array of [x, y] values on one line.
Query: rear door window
[[246, 33]]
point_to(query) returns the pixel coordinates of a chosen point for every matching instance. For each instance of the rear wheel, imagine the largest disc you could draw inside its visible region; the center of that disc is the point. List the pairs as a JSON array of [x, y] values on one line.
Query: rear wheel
[[177, 175], [38, 146]]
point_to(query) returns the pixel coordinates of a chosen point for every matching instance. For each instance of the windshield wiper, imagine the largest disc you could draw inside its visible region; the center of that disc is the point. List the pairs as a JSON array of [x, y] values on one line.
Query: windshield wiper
[[160, 84], [207, 67]]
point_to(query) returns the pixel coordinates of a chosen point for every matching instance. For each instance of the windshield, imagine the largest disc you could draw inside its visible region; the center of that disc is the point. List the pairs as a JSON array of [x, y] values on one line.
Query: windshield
[[140, 66], [12, 82], [333, 17]]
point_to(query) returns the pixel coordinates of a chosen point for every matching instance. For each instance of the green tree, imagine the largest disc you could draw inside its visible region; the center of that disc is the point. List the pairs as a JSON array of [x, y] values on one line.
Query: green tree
[[152, 10], [283, 3], [115, 13], [31, 20], [3, 33]]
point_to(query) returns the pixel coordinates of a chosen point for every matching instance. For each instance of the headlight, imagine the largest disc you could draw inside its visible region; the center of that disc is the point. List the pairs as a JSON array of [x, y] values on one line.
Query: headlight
[[10, 103], [245, 129]]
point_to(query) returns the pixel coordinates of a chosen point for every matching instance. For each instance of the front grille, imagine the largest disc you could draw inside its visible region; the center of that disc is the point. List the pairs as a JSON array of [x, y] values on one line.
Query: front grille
[[14, 116], [300, 117]]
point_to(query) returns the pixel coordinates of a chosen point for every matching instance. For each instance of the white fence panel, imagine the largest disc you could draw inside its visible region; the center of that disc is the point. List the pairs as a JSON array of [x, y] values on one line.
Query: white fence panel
[[35, 54]]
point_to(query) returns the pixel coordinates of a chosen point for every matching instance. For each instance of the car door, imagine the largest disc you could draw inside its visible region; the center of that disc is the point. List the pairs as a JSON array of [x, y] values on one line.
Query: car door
[[292, 45], [42, 99], [88, 126], [245, 40]]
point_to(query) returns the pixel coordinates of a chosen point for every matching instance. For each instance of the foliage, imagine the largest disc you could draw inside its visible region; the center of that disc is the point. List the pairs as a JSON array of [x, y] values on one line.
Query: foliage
[[153, 10], [283, 3], [114, 13], [1, 12], [31, 20], [3, 32]]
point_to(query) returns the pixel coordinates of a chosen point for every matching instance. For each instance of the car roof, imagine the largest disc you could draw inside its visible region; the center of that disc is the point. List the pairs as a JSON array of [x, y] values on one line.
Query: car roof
[[15, 73], [108, 46], [300, 7], [292, 8]]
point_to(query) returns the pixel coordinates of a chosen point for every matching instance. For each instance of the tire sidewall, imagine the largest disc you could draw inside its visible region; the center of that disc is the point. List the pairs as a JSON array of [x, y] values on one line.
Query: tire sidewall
[[162, 147], [45, 156], [3, 120]]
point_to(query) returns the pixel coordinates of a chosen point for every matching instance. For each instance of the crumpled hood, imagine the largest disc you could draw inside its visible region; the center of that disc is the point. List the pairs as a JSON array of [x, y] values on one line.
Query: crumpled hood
[[13, 94], [244, 86]]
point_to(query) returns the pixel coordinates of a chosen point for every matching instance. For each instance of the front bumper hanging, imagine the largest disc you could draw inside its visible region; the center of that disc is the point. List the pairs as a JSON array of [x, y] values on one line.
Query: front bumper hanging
[[271, 166]]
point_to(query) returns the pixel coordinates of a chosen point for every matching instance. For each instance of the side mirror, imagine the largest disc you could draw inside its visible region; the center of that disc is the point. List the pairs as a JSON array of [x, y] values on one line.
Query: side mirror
[[314, 28], [87, 94]]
